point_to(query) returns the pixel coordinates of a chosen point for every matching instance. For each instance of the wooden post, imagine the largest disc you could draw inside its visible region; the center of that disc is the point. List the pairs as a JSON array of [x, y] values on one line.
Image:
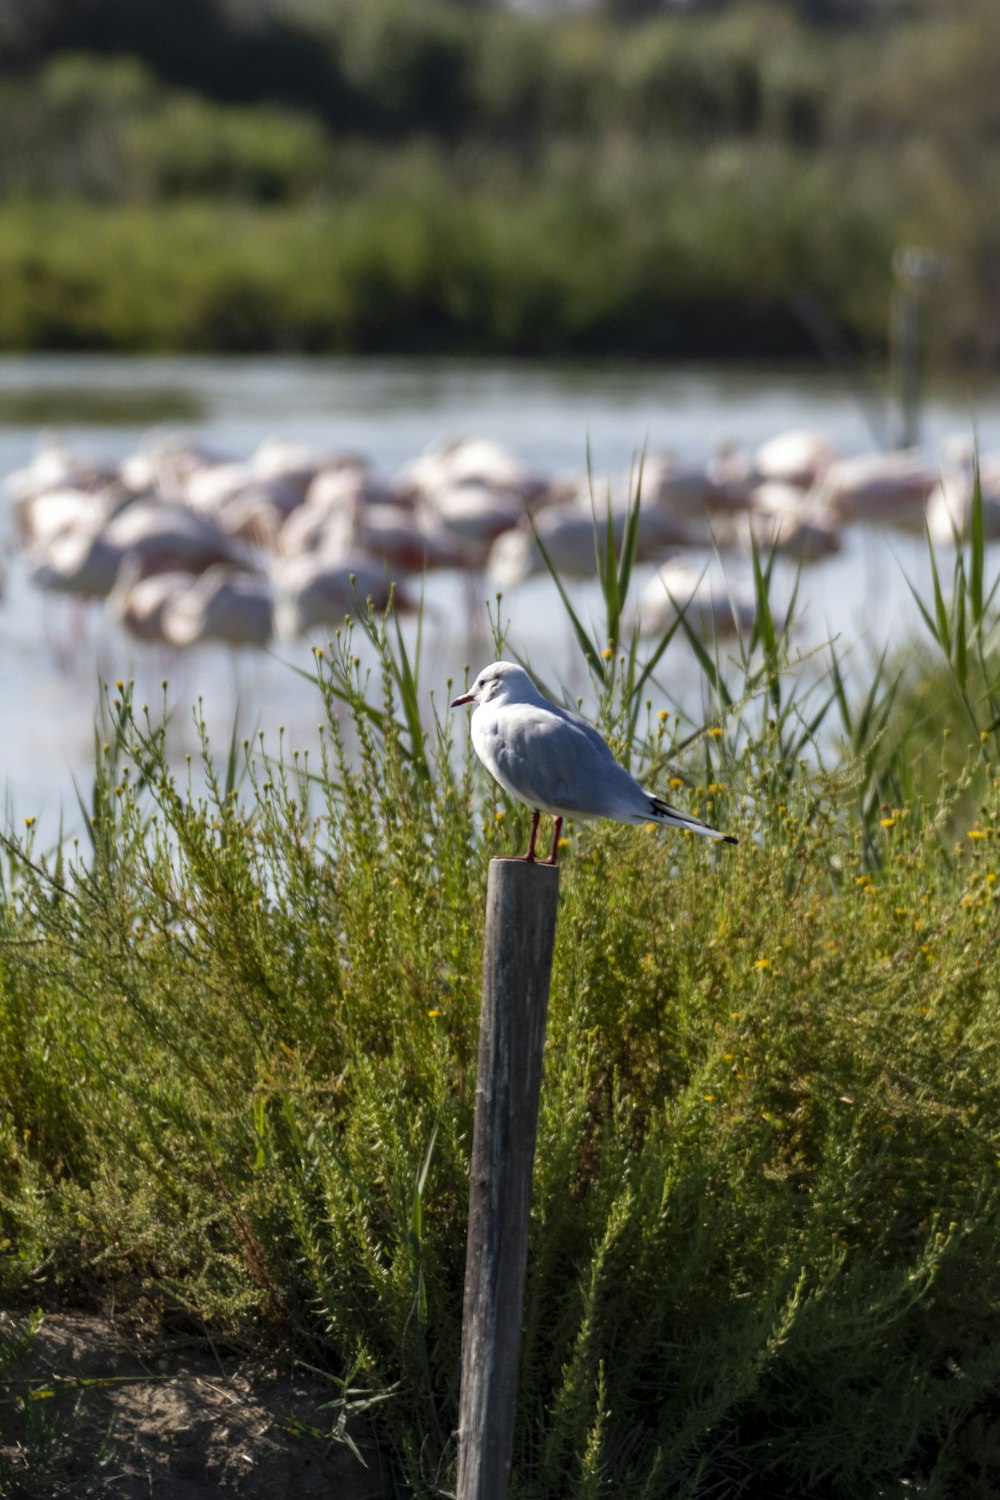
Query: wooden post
[[904, 347], [521, 901], [916, 272]]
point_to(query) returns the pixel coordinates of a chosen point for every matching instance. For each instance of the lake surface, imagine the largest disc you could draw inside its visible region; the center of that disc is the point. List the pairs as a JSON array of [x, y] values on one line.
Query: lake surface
[[54, 653]]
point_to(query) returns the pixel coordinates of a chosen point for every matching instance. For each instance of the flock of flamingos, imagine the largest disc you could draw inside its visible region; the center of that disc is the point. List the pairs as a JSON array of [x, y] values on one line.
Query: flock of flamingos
[[185, 546]]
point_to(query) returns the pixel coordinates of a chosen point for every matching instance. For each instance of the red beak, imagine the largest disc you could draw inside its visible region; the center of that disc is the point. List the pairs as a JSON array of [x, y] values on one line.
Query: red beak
[[463, 698]]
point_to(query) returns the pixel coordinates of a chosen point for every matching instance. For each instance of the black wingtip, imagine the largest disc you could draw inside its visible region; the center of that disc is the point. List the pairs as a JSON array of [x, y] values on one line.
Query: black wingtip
[[727, 838]]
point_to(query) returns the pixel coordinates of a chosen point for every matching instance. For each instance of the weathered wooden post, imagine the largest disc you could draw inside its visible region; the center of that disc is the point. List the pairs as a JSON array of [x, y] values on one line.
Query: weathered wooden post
[[521, 900]]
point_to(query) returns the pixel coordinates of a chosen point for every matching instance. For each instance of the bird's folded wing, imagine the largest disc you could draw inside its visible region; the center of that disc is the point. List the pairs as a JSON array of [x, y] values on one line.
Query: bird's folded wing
[[558, 763]]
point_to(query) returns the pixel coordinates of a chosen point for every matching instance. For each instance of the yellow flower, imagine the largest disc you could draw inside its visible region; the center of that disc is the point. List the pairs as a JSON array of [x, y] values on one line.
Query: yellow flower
[[563, 844], [29, 822], [607, 653], [762, 963], [715, 734], [676, 781], [662, 715], [888, 822], [435, 1013], [500, 814]]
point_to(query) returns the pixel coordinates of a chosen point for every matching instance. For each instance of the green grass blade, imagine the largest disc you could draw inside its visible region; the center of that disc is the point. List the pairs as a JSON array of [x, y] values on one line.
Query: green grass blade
[[608, 574], [233, 757], [943, 631], [977, 546], [631, 538], [840, 692], [593, 656], [811, 726], [872, 711], [406, 682], [960, 617], [925, 613], [653, 661], [709, 667], [763, 624]]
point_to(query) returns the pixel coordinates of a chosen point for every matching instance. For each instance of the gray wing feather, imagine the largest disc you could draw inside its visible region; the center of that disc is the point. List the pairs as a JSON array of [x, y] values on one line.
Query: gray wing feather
[[556, 760]]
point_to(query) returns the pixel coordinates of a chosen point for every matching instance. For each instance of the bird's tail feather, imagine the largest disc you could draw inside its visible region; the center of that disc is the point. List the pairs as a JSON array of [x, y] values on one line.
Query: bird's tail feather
[[665, 812]]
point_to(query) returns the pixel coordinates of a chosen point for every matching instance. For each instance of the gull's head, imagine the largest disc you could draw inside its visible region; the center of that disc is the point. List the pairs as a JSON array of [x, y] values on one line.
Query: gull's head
[[500, 682]]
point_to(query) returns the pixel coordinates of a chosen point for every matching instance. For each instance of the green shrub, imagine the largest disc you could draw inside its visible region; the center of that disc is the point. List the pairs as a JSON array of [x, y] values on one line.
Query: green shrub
[[573, 264], [104, 128], [66, 128], [237, 1061], [690, 186], [192, 148], [409, 65]]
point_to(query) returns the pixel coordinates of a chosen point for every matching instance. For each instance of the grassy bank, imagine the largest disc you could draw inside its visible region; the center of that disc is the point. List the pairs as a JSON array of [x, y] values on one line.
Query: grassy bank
[[237, 1053], [369, 177], [423, 263]]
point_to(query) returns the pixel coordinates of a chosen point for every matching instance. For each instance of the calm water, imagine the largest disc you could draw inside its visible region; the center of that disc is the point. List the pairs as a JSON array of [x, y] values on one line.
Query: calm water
[[53, 654]]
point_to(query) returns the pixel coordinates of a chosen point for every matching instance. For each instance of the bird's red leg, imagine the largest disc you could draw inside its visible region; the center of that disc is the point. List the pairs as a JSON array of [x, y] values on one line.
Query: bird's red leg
[[554, 852], [530, 856]]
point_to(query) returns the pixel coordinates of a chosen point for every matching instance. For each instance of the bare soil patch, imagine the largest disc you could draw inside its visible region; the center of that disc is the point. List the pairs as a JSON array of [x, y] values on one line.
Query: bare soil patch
[[173, 1419]]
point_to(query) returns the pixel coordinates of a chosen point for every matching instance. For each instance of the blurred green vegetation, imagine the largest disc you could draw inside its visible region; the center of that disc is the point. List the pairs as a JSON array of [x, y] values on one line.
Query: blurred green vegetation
[[457, 177]]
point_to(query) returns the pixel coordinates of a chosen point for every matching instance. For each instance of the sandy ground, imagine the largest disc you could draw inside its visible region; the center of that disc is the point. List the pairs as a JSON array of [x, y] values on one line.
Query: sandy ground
[[173, 1420]]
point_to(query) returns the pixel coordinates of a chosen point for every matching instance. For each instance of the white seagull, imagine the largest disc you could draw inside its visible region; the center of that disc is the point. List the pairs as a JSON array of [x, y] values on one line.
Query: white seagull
[[555, 762]]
